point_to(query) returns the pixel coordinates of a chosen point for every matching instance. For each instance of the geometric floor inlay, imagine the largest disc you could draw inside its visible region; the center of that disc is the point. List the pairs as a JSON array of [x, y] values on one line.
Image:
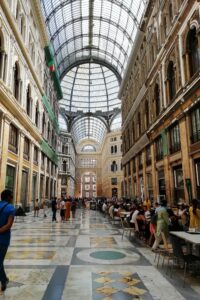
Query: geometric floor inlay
[[102, 242], [118, 286], [27, 254], [108, 255]]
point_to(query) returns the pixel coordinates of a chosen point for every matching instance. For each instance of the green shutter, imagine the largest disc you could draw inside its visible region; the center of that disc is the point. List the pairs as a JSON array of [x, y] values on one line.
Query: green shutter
[[51, 114], [165, 142], [49, 152]]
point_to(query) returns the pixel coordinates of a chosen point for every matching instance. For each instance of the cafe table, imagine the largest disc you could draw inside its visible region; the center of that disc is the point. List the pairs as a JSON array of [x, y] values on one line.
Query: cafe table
[[190, 239], [193, 238]]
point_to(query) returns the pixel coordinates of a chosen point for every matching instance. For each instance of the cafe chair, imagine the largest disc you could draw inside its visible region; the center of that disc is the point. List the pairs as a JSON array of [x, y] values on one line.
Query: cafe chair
[[126, 226], [179, 256]]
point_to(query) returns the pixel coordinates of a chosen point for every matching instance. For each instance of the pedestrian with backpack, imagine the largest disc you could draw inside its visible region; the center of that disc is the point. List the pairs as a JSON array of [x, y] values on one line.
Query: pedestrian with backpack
[[7, 213]]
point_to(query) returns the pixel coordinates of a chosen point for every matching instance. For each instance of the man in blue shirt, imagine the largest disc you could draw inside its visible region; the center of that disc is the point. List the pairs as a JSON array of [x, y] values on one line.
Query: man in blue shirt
[[7, 213]]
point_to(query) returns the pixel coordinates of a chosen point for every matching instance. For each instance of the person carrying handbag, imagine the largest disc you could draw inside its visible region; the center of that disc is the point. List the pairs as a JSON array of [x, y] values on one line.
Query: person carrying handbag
[[7, 213]]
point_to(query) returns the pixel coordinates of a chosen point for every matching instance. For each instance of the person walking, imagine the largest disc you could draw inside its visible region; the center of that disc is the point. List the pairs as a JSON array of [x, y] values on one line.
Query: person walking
[[7, 213], [73, 208], [62, 210], [54, 209], [68, 207], [44, 208], [161, 224], [36, 208]]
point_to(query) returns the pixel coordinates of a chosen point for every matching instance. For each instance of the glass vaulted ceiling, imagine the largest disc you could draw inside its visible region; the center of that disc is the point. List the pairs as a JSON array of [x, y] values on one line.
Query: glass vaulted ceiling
[[92, 41]]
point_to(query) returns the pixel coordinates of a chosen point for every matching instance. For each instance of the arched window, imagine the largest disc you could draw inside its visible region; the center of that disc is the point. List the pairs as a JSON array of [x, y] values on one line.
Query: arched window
[[147, 114], [193, 51], [16, 81], [37, 115], [113, 166], [43, 123], [112, 150], [171, 77], [28, 101], [115, 148], [157, 100]]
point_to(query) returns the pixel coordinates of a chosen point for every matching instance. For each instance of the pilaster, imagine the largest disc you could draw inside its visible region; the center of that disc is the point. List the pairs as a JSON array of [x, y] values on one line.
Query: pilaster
[[6, 120]]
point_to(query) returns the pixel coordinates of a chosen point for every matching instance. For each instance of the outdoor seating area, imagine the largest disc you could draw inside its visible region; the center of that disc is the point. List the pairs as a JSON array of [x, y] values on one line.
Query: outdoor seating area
[[172, 233]]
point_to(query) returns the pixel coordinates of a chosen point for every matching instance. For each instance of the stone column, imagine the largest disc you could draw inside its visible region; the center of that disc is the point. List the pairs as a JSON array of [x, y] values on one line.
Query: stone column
[[4, 150], [185, 154], [182, 59], [153, 172], [20, 165], [38, 175]]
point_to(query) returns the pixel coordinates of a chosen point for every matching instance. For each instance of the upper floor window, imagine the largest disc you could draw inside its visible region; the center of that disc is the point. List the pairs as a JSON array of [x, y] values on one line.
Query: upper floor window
[[148, 155], [174, 138], [43, 123], [146, 114], [37, 115], [64, 166], [140, 163], [157, 100], [26, 153], [139, 125], [13, 138], [28, 102], [159, 148], [193, 51], [171, 15], [16, 81], [195, 125], [171, 77], [114, 166], [35, 155], [113, 149], [48, 132], [23, 27], [3, 59]]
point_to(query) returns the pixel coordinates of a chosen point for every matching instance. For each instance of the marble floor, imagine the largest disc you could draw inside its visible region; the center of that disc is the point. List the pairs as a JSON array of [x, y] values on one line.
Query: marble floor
[[86, 259]]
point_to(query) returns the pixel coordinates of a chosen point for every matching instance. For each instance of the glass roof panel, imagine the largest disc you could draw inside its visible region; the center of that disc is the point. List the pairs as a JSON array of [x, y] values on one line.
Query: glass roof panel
[[98, 94], [117, 20], [90, 128], [116, 123], [92, 41]]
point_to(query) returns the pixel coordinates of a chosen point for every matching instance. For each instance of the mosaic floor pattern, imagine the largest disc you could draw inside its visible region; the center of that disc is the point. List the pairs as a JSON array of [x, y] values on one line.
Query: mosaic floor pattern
[[118, 286], [85, 259]]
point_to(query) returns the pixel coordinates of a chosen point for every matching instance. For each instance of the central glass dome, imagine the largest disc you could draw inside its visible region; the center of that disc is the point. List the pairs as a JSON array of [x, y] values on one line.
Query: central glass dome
[[90, 87]]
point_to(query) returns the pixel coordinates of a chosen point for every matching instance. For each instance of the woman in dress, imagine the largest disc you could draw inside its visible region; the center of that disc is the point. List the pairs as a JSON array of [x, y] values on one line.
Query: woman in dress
[[68, 207], [194, 212]]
